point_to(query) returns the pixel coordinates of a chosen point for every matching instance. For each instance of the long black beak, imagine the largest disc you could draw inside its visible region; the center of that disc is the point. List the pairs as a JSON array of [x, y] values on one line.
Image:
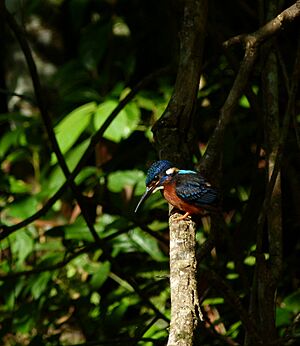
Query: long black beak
[[148, 192]]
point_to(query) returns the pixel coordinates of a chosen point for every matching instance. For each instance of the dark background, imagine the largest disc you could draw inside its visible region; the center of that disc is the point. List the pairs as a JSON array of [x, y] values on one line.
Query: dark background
[[58, 286]]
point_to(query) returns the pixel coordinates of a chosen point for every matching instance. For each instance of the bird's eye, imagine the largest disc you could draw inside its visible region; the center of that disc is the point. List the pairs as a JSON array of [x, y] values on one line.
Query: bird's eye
[[156, 177]]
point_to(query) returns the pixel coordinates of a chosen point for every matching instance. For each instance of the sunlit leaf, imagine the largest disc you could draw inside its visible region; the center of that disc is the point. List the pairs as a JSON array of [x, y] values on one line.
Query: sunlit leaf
[[71, 127], [234, 329], [118, 180], [250, 260], [10, 139], [147, 243], [39, 284], [57, 177], [122, 126], [244, 102], [22, 208], [213, 301], [18, 186], [100, 275], [22, 245]]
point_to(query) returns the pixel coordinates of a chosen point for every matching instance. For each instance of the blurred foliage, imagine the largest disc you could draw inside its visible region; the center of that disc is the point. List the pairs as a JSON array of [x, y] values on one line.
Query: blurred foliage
[[57, 286]]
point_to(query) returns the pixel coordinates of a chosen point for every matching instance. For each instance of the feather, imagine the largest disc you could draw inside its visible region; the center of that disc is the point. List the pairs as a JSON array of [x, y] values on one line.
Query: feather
[[194, 189]]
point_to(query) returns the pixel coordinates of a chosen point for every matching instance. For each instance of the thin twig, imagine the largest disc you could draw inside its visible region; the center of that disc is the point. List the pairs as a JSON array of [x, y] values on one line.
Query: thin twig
[[22, 96]]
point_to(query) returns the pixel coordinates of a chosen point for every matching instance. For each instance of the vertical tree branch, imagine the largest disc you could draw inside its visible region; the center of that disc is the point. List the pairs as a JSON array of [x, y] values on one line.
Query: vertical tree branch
[[267, 282], [185, 306], [173, 132], [267, 273], [173, 137]]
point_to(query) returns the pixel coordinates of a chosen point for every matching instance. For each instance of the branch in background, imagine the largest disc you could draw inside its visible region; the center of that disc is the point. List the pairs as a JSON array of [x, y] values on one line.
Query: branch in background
[[266, 285], [20, 36], [38, 270], [5, 230], [284, 134], [262, 271], [251, 43], [230, 296], [63, 263], [70, 177], [24, 97]]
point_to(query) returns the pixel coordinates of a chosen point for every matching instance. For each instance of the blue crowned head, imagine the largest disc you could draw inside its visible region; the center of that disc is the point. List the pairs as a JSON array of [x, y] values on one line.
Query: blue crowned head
[[156, 176], [157, 169]]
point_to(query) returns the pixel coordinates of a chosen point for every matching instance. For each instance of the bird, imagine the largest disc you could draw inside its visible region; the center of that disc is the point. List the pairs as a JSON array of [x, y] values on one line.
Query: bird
[[186, 190]]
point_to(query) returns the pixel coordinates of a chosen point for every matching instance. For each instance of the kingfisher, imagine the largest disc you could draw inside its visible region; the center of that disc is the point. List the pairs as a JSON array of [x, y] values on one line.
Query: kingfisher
[[186, 190]]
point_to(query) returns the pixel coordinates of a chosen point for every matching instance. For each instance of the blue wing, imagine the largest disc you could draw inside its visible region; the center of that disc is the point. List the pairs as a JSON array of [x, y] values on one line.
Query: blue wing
[[194, 189]]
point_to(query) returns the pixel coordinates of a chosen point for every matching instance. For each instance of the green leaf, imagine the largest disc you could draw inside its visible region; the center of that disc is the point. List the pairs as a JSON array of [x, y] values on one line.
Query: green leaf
[[133, 113], [147, 243], [71, 127], [292, 302], [23, 208], [213, 301], [78, 231], [145, 103], [101, 274], [57, 177], [17, 185], [243, 102], [122, 126], [22, 245], [10, 139], [283, 317], [40, 284], [50, 258], [156, 331], [250, 260], [234, 329], [116, 313], [119, 179], [85, 173]]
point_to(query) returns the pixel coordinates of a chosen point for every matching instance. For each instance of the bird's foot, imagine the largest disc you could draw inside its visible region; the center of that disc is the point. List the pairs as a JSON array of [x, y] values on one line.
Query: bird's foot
[[182, 217]]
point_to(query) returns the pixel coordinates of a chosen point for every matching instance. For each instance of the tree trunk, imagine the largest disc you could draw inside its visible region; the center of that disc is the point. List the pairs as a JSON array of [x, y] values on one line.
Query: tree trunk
[[173, 134]]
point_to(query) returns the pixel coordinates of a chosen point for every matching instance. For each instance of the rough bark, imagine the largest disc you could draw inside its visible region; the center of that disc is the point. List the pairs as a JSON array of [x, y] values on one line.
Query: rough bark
[[185, 308], [173, 133], [174, 137]]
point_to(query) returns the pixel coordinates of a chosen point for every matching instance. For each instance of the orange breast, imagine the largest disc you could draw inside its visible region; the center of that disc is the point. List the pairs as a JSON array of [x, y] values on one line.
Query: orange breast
[[170, 195]]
